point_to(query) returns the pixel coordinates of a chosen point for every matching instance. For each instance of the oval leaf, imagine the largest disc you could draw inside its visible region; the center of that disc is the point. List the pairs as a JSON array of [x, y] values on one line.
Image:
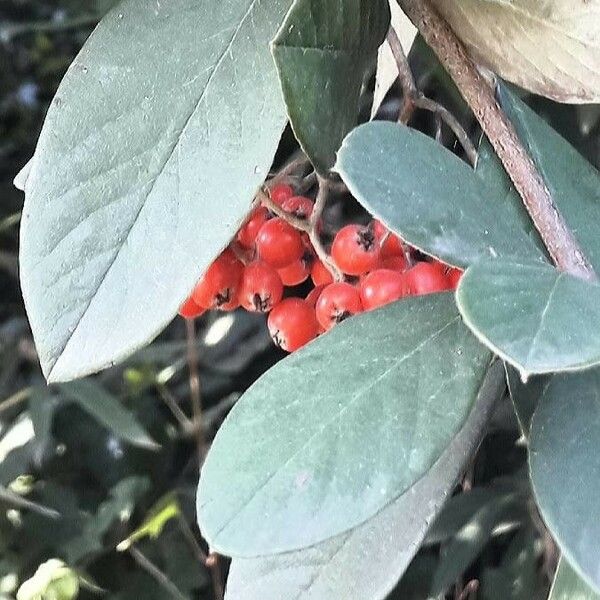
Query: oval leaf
[[551, 48], [565, 467], [288, 468], [448, 211], [569, 586], [537, 318], [385, 544], [144, 169], [322, 52]]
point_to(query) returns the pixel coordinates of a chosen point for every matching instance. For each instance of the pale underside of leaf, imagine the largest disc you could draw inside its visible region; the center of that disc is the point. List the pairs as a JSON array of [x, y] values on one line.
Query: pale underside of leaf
[[145, 167], [368, 561], [551, 47], [267, 463]]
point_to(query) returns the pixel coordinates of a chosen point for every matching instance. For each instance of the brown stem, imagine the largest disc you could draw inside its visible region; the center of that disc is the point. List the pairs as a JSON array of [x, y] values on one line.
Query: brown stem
[[412, 99], [196, 399], [156, 573], [558, 238]]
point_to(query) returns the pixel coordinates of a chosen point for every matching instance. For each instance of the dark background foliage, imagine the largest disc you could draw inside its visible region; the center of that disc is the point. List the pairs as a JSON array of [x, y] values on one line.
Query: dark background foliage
[[58, 455]]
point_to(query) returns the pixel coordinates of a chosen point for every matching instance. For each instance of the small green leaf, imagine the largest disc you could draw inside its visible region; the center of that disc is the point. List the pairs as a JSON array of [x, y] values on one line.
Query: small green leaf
[[537, 318], [573, 182], [107, 409], [399, 381], [385, 544], [144, 169], [565, 467], [322, 52], [569, 586], [430, 197]]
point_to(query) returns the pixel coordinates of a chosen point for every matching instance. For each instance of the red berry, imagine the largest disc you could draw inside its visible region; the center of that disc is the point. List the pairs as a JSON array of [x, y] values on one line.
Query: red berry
[[355, 249], [426, 278], [292, 323], [337, 302], [390, 243], [219, 286], [453, 276], [278, 243], [313, 295], [246, 236], [261, 287], [281, 192], [190, 310], [320, 274], [299, 206], [380, 287], [296, 272], [395, 263]]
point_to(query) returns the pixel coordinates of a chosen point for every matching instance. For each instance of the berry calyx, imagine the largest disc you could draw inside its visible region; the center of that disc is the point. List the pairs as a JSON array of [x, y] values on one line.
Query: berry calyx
[[218, 287], [278, 243], [246, 236], [261, 287], [355, 249], [426, 278], [337, 302], [299, 206], [320, 274], [190, 310], [381, 287], [281, 192], [292, 324]]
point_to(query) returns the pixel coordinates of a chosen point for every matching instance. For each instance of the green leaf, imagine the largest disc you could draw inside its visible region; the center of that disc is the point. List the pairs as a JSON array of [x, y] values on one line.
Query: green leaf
[[430, 197], [535, 317], [565, 467], [322, 53], [573, 182], [107, 409], [525, 396], [145, 167], [569, 586], [399, 381], [369, 560]]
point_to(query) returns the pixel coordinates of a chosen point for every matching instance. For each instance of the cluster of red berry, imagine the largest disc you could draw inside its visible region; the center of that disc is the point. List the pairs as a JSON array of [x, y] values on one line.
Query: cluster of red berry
[[268, 253]]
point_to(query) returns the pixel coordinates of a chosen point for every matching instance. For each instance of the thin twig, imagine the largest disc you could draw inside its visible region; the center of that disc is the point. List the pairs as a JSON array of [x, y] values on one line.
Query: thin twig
[[196, 399], [190, 538], [558, 238], [9, 497], [412, 99], [174, 407], [214, 565], [471, 588], [156, 573], [15, 399]]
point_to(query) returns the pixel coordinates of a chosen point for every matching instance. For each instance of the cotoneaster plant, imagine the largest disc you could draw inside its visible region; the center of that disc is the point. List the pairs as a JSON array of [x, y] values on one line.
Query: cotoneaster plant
[[155, 189]]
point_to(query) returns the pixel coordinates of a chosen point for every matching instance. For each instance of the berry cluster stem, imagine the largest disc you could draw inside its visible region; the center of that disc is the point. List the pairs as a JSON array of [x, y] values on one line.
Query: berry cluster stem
[[554, 231], [308, 226]]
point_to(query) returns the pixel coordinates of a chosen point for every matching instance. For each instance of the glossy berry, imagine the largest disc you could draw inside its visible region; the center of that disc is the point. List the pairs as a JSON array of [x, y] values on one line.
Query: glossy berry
[[426, 278], [390, 243], [261, 288], [278, 243], [219, 286], [296, 272], [337, 302], [299, 206], [355, 249], [395, 263], [453, 276], [281, 192], [292, 323], [313, 295], [246, 236], [320, 274], [190, 310], [381, 287]]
